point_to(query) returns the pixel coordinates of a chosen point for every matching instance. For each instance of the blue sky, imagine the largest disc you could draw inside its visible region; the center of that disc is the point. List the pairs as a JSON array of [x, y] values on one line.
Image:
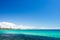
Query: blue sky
[[39, 13]]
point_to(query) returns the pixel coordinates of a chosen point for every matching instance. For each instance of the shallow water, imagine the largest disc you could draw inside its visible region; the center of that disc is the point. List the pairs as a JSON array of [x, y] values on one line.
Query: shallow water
[[48, 33]]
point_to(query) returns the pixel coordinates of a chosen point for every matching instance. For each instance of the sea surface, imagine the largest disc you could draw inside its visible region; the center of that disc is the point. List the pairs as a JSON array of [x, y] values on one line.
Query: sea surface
[[36, 33]]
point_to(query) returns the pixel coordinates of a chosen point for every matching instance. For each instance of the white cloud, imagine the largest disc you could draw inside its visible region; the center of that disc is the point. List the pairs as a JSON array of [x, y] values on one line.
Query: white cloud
[[7, 25], [14, 26]]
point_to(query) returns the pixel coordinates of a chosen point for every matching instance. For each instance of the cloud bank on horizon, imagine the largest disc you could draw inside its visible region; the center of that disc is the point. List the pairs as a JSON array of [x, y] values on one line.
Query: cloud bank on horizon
[[14, 26]]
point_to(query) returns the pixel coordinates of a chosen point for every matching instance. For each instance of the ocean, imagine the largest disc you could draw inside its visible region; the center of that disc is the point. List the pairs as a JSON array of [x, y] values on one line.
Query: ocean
[[36, 34]]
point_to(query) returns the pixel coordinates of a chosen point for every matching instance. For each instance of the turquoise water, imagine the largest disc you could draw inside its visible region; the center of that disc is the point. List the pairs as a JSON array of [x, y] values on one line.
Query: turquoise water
[[48, 33]]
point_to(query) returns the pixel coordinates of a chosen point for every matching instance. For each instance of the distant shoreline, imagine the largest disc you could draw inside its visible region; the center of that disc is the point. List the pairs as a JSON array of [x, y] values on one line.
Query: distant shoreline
[[29, 29]]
